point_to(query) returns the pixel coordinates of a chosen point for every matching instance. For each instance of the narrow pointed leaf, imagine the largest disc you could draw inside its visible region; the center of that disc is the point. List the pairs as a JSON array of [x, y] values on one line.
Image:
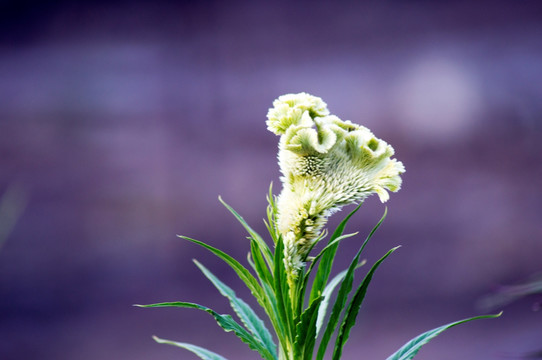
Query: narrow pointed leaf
[[263, 272], [273, 313], [249, 318], [344, 290], [328, 247], [305, 281], [241, 271], [226, 322], [271, 214], [411, 348], [353, 308], [306, 331], [326, 296], [281, 291], [202, 353], [326, 262], [263, 246]]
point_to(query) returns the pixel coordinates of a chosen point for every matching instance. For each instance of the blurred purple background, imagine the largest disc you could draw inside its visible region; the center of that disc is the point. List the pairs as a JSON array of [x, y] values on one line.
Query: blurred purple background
[[123, 122]]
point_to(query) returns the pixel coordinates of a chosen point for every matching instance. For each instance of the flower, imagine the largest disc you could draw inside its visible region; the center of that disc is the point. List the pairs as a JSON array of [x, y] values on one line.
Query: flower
[[326, 163]]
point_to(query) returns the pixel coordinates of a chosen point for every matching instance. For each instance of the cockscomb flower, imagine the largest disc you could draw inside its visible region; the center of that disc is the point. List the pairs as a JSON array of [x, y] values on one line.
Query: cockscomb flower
[[326, 163]]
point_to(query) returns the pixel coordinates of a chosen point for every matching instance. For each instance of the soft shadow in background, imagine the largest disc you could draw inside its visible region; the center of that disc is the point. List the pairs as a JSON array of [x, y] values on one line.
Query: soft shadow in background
[[123, 122]]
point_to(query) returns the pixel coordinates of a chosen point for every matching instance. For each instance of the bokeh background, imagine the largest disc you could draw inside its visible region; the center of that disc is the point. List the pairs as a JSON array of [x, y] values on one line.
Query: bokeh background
[[122, 121]]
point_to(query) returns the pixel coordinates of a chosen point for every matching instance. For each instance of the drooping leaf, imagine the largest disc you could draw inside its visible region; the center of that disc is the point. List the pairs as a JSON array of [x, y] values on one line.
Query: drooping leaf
[[353, 308], [344, 290], [202, 353], [411, 348], [226, 322], [263, 246], [249, 318]]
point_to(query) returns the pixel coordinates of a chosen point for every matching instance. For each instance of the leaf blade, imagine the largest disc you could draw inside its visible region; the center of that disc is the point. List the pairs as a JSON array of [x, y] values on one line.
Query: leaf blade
[[306, 331], [245, 313], [327, 296], [263, 246], [240, 270], [326, 262], [226, 322], [202, 353], [411, 348], [280, 288], [344, 291], [354, 307]]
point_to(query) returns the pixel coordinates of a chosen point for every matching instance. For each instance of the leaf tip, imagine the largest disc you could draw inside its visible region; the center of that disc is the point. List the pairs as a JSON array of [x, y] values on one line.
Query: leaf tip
[[157, 339]]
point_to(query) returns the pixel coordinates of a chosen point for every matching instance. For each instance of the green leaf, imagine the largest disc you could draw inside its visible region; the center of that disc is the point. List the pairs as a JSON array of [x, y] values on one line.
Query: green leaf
[[326, 262], [271, 214], [411, 348], [327, 296], [259, 266], [249, 318], [263, 246], [281, 291], [306, 331], [273, 313], [353, 308], [304, 282], [314, 261], [226, 322], [344, 290], [241, 271], [199, 351]]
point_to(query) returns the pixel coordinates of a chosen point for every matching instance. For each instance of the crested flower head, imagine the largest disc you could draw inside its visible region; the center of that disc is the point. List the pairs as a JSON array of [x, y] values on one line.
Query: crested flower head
[[326, 163], [290, 109]]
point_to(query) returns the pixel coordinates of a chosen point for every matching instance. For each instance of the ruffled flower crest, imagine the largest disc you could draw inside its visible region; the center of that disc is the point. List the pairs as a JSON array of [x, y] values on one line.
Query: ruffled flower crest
[[326, 163]]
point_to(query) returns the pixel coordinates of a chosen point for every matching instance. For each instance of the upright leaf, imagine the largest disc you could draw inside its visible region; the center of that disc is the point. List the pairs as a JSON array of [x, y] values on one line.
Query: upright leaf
[[241, 271], [304, 282], [326, 295], [306, 331], [263, 246], [353, 308], [271, 214], [249, 318], [202, 353], [344, 290], [259, 266], [411, 348], [324, 269], [281, 292]]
